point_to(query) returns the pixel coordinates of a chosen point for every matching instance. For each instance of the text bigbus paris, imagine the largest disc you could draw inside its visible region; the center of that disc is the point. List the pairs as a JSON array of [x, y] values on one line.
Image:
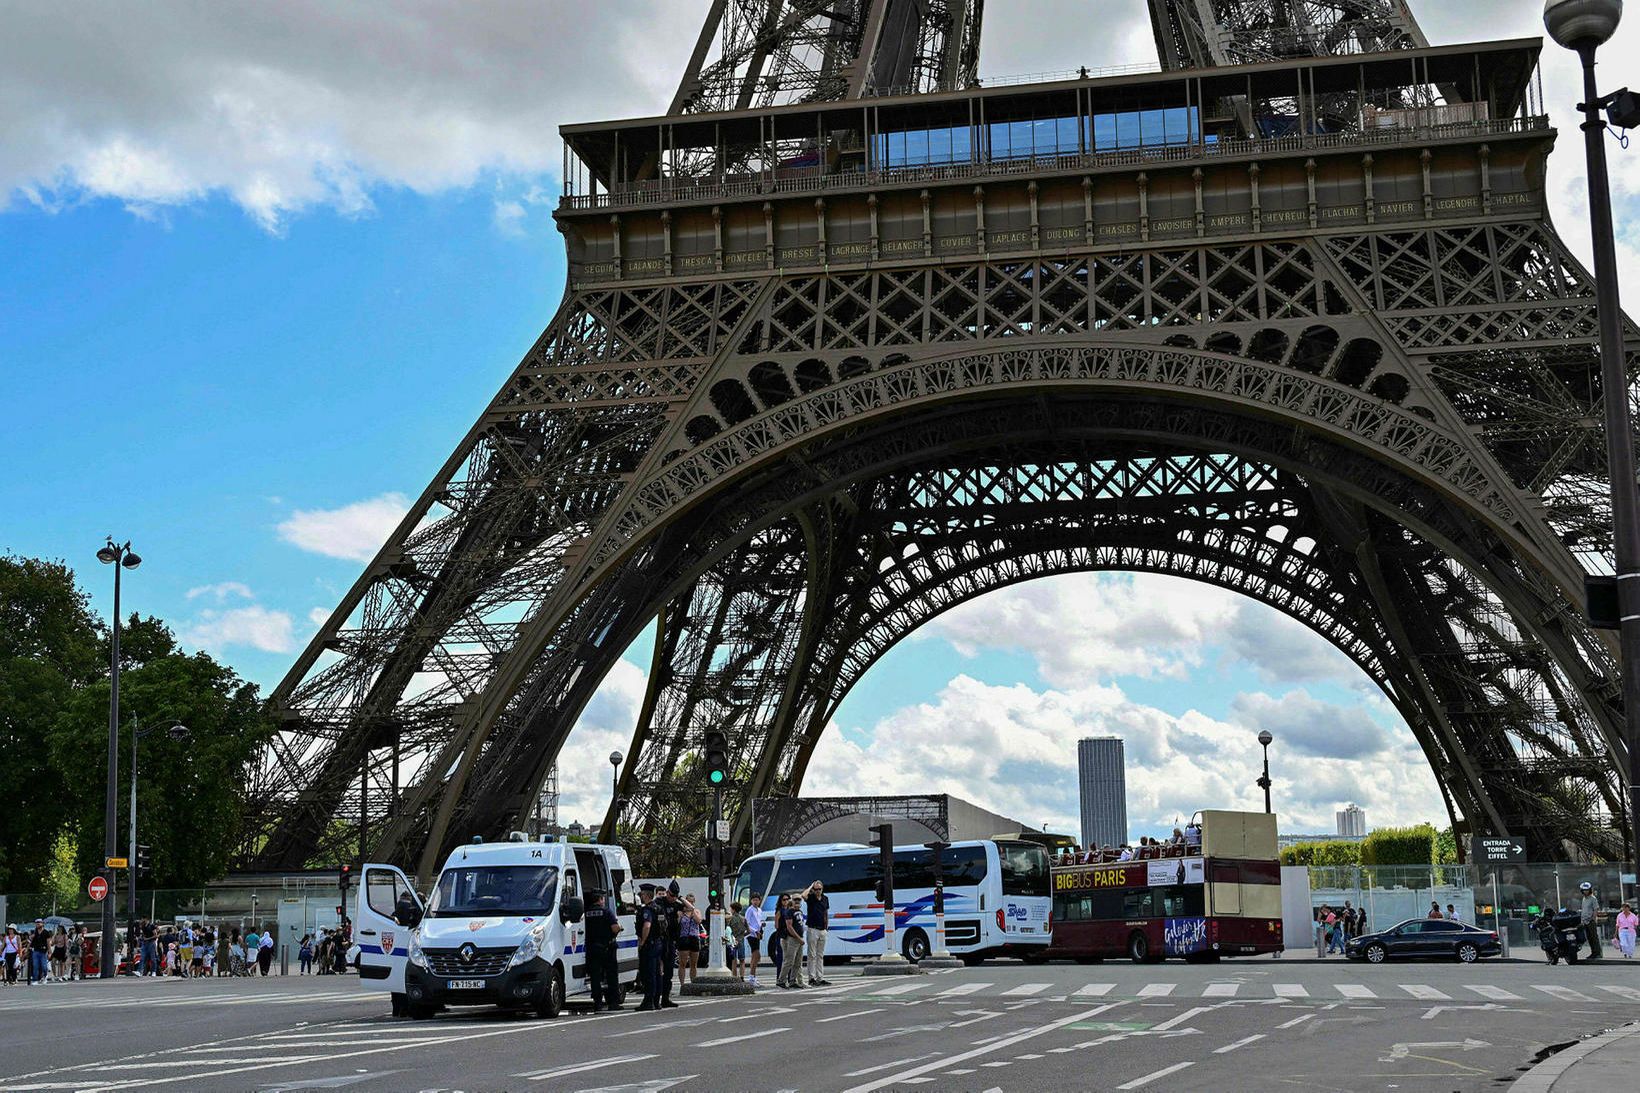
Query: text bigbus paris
[[1199, 901]]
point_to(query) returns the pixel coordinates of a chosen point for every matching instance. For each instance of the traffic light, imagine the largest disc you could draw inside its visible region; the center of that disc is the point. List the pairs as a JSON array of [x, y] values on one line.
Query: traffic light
[[717, 757], [882, 837], [344, 879], [938, 850], [145, 861], [714, 873]]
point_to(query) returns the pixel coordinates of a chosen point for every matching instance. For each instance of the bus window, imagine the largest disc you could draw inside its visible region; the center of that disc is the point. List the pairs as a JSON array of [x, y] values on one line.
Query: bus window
[[1139, 903], [1024, 869], [843, 873], [753, 880], [963, 865], [1183, 901]]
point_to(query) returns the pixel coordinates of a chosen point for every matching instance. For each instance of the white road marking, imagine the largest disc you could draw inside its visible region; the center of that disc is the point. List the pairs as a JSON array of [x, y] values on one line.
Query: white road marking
[[1290, 990], [885, 1066], [1243, 1042], [962, 988], [1565, 994], [1094, 990], [1425, 994], [898, 988], [1027, 988], [1496, 994], [846, 1016], [1355, 990], [1221, 990], [1153, 1075], [753, 1016], [1180, 1019], [1630, 993], [1156, 990], [962, 1057], [598, 1064], [743, 1036], [1296, 1021]]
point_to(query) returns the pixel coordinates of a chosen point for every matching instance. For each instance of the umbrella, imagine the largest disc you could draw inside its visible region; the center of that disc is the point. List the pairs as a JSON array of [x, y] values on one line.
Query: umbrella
[[55, 921]]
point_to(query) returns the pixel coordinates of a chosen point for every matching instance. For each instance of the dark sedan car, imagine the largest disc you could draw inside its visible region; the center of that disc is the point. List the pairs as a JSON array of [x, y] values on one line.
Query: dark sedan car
[[1425, 938]]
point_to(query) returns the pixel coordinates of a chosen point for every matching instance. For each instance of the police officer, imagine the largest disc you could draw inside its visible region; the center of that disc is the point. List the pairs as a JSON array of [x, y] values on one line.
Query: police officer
[[673, 909], [651, 935], [602, 926]]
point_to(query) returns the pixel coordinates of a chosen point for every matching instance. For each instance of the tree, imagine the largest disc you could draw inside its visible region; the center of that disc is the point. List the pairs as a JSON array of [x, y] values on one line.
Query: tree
[[190, 791], [1399, 846], [48, 649]]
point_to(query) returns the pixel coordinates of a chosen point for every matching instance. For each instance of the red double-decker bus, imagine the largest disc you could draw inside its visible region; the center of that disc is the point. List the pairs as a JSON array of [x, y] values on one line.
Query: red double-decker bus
[[1200, 900]]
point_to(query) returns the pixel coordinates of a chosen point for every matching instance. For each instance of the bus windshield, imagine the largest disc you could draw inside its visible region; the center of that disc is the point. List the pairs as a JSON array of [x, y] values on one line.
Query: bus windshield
[[495, 890], [753, 882], [1024, 869]]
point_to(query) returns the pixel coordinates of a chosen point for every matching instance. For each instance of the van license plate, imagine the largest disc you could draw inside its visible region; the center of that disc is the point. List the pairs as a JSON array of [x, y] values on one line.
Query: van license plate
[[467, 984]]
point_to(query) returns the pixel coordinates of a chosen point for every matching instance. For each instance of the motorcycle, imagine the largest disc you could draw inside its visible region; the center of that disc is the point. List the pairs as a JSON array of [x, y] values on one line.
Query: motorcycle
[[1560, 935]]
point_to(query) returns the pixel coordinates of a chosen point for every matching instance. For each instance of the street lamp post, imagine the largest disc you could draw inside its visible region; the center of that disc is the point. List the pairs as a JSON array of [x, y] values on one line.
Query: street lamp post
[[121, 557], [1264, 739], [176, 730], [615, 761], [1583, 26]]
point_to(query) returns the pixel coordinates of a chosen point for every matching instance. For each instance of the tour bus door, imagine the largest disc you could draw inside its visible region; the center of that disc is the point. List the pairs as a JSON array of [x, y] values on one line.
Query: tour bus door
[[384, 942]]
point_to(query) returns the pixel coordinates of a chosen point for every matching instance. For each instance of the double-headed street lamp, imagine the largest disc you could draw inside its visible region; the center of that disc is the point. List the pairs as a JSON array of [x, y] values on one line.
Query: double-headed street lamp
[[1264, 739], [176, 730], [1583, 26], [121, 557]]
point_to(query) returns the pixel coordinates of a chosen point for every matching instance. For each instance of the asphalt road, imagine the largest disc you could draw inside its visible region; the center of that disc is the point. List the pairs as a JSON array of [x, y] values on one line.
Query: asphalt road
[[1238, 1025]]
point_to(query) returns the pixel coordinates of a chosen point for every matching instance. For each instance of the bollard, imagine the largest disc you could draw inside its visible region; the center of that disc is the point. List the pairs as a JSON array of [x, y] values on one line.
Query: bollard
[[284, 960]]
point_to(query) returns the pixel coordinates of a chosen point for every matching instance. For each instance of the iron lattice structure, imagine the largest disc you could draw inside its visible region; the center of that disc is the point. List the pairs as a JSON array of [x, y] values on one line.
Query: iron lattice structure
[[1288, 317]]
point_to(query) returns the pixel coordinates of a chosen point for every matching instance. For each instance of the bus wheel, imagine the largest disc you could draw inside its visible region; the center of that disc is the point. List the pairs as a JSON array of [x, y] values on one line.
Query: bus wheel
[[1138, 948], [973, 960], [915, 945]]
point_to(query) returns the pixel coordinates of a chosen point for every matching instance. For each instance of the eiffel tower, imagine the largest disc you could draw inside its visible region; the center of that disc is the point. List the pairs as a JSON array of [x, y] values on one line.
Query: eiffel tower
[[851, 336]]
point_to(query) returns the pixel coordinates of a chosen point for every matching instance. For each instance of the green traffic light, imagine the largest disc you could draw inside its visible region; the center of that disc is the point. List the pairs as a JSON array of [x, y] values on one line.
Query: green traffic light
[[715, 777]]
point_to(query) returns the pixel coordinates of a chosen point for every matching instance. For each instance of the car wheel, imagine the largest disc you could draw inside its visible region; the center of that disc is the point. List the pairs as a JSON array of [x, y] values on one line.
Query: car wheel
[[1376, 954], [552, 1004], [1138, 947], [1468, 953], [915, 947]]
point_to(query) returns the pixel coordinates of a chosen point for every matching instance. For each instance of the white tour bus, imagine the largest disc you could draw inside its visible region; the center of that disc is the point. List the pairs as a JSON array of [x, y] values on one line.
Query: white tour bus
[[502, 928], [996, 896]]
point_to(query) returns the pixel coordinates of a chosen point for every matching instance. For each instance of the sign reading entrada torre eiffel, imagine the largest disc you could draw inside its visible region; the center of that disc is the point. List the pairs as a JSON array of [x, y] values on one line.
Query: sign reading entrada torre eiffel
[[851, 336]]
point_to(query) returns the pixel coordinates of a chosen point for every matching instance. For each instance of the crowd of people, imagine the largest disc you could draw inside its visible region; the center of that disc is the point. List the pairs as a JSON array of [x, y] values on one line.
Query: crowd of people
[[324, 953], [47, 954], [1183, 842]]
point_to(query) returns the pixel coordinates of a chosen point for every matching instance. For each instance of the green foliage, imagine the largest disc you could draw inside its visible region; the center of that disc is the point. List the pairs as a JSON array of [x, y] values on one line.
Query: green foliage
[[62, 874], [1323, 852], [1400, 846], [1446, 847], [54, 697]]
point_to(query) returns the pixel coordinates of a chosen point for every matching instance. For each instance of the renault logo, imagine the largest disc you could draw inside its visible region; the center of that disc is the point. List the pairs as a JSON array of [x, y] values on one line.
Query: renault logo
[[468, 953]]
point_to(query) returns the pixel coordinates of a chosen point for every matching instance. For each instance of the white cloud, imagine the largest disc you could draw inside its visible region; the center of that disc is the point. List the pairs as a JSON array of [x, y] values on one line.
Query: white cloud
[[318, 615], [354, 532], [286, 106], [1013, 749], [220, 592], [254, 626], [1309, 726], [605, 725]]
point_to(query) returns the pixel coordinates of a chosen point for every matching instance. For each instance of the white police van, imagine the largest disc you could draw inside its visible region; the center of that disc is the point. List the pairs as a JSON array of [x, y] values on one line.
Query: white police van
[[501, 928]]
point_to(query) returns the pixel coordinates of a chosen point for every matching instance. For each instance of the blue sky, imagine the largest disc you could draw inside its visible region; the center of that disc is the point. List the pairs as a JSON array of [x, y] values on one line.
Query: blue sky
[[258, 279]]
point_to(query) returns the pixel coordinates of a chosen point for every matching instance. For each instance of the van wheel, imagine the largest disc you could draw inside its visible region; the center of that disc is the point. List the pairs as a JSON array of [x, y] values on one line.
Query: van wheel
[[1138, 948], [915, 946], [418, 1011], [398, 1003], [552, 1003]]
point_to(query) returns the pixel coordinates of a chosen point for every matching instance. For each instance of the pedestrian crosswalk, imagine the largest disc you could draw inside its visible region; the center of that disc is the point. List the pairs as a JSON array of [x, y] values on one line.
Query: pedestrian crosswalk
[[70, 997], [938, 989]]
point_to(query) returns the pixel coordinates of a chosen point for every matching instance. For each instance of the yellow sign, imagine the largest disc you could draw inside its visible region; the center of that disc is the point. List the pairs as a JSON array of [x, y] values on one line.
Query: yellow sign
[[116, 863]]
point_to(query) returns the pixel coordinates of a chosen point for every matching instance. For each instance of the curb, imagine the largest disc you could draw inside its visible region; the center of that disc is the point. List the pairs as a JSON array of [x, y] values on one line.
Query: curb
[[1544, 1075]]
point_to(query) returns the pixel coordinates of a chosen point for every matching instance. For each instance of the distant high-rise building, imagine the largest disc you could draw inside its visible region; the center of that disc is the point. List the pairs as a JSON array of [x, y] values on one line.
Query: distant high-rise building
[[1102, 778], [1352, 821]]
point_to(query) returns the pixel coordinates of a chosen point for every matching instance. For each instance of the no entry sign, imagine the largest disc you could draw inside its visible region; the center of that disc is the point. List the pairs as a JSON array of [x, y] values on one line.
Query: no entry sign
[[98, 888]]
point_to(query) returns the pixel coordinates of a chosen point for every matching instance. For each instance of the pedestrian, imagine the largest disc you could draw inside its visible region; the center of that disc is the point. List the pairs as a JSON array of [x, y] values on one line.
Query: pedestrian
[[236, 953], [39, 954], [1627, 923], [150, 948], [264, 950], [817, 905], [185, 950], [205, 952], [1320, 928], [11, 950], [304, 955], [1434, 910], [251, 940], [651, 925], [1452, 914], [689, 938], [672, 908], [754, 935], [601, 928], [76, 953], [734, 938], [1589, 914], [777, 946], [791, 941]]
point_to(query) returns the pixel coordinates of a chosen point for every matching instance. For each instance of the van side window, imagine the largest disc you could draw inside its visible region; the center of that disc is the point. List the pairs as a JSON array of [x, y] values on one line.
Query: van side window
[[571, 887], [623, 894], [382, 888]]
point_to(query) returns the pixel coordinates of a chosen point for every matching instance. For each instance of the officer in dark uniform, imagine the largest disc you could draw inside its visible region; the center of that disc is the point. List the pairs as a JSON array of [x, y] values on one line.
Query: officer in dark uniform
[[651, 939], [673, 906], [601, 926]]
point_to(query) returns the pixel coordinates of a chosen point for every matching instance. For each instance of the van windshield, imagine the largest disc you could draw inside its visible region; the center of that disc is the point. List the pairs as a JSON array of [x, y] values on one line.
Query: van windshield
[[495, 890]]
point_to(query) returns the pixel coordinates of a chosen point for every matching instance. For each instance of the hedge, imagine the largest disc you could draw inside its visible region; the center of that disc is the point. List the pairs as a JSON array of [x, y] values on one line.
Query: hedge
[[1399, 846], [1322, 852]]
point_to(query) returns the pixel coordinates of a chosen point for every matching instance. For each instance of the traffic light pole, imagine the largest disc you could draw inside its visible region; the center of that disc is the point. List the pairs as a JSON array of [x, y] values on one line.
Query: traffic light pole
[[940, 956], [715, 978], [891, 962]]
